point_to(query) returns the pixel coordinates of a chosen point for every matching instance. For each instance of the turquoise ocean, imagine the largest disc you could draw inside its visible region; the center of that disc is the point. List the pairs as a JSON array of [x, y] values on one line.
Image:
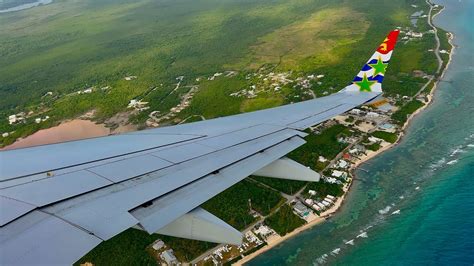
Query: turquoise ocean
[[414, 204]]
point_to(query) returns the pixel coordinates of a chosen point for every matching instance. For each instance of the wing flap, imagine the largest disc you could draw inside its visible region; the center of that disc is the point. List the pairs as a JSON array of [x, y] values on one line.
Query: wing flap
[[97, 209], [12, 209], [166, 209]]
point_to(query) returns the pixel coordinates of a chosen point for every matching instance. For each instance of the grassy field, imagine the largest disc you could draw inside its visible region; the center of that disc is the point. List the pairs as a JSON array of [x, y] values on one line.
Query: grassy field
[[71, 45], [387, 136]]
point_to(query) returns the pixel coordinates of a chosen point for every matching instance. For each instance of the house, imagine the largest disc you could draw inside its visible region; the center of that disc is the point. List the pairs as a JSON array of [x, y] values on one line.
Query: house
[[12, 119], [342, 164], [311, 192], [338, 174], [169, 257], [322, 159], [355, 111], [320, 205], [353, 151], [372, 114], [264, 231], [325, 203], [301, 209], [374, 139], [330, 197], [359, 147], [308, 201], [329, 200], [158, 244], [130, 78]]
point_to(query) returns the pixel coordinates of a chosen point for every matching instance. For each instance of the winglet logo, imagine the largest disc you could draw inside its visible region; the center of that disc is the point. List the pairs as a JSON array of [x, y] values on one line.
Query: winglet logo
[[389, 43], [365, 84]]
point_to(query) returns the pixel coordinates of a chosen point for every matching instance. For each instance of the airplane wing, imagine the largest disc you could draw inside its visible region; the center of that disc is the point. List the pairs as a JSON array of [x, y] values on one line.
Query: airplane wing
[[59, 201]]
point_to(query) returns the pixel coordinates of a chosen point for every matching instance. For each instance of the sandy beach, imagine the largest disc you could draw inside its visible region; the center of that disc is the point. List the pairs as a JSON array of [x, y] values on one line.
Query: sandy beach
[[274, 240]]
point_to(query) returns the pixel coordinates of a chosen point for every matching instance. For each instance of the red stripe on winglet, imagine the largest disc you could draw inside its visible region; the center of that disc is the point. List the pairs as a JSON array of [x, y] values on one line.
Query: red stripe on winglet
[[389, 43]]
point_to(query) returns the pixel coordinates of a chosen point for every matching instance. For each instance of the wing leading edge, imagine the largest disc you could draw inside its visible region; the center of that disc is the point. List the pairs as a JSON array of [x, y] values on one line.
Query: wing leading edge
[[59, 201]]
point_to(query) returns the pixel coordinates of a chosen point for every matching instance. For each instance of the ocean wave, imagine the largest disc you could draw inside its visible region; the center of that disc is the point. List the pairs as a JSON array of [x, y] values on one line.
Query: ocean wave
[[470, 145], [456, 151], [396, 212], [362, 235], [335, 251], [385, 210], [350, 242], [322, 259], [438, 164], [452, 162]]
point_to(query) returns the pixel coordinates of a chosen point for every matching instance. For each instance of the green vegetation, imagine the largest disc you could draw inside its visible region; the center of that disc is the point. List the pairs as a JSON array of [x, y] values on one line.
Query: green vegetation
[[127, 248], [132, 248], [69, 46], [387, 136], [284, 220], [324, 144], [402, 114], [289, 187], [232, 205], [186, 249], [373, 146], [323, 189]]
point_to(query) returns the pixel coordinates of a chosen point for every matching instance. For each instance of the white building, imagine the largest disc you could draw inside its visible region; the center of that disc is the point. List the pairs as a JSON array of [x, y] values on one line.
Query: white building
[[372, 114], [342, 164], [158, 244], [374, 139], [12, 119], [355, 111], [169, 257]]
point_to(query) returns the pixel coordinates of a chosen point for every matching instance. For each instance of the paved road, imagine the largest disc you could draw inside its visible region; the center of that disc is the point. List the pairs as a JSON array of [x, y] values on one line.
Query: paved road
[[436, 51]]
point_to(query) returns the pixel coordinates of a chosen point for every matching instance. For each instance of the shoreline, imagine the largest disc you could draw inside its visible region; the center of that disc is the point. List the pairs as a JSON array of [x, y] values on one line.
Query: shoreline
[[326, 215]]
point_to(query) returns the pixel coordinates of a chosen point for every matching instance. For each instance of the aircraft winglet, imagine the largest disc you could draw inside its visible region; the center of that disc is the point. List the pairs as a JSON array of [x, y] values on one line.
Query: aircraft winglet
[[370, 77]]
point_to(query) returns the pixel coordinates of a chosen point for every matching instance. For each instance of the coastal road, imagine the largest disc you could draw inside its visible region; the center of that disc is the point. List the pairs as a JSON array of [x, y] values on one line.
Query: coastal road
[[436, 50]]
